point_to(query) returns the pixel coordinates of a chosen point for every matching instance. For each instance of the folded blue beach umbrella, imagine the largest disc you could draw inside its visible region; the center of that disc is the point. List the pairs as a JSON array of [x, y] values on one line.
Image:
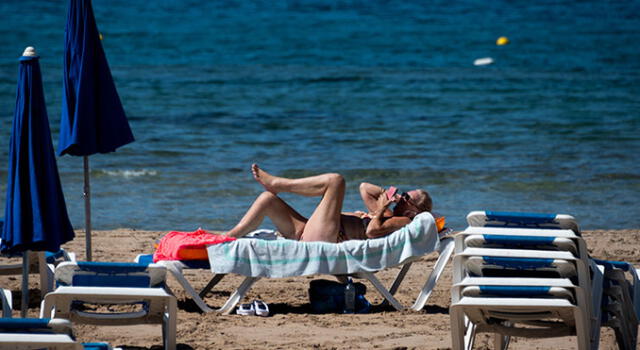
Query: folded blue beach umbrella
[[35, 212], [93, 120]]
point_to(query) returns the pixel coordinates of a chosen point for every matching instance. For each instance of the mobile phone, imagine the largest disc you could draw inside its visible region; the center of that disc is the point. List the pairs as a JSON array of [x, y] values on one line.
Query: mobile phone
[[391, 191]]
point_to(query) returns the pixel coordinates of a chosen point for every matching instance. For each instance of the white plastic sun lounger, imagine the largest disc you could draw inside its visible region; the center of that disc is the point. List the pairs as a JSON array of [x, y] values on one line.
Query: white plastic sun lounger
[[6, 300], [503, 305], [257, 258], [620, 306], [42, 263], [522, 220], [42, 333], [524, 268], [91, 283], [35, 333], [516, 296]]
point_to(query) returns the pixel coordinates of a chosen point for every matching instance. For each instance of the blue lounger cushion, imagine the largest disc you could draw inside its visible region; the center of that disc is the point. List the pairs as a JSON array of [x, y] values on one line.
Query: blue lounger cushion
[[35, 325], [189, 264], [521, 242], [110, 274], [518, 292], [520, 267], [522, 220]]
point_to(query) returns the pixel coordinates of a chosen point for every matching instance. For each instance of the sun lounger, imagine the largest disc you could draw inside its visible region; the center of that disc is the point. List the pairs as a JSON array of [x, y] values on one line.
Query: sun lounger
[[524, 269], [41, 333], [548, 304], [6, 301], [38, 333], [42, 263], [83, 285], [522, 220], [620, 301], [257, 258]]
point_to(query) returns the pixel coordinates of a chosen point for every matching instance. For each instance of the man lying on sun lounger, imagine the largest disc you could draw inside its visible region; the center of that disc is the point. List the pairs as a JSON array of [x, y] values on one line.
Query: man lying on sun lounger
[[327, 222]]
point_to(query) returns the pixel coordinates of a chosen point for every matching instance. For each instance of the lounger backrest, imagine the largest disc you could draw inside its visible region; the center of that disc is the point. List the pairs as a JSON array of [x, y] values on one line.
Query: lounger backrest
[[36, 325], [519, 267], [518, 292], [522, 220], [110, 274], [521, 242]]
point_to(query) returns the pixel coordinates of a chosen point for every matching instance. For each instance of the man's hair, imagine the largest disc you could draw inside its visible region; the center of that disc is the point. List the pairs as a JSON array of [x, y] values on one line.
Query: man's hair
[[423, 203]]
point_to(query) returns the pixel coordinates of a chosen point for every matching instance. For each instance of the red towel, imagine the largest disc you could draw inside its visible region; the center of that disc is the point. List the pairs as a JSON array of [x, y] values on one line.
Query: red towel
[[187, 245]]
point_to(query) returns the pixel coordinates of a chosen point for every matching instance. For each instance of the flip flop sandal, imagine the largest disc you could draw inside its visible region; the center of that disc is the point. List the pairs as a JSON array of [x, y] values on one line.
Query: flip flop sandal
[[261, 308], [246, 310]]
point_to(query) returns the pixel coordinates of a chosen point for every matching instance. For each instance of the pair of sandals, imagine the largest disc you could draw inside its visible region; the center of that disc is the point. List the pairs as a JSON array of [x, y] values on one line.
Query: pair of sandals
[[257, 307]]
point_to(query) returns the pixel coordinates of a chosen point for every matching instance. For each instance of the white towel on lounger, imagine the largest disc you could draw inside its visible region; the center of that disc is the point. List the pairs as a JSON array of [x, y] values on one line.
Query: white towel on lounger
[[289, 258]]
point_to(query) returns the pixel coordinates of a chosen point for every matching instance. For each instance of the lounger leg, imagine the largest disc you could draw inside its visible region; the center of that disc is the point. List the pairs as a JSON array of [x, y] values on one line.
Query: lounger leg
[[216, 278], [445, 254], [46, 308], [235, 298], [458, 331], [500, 341], [385, 293], [596, 301], [170, 324], [398, 280], [636, 291], [582, 331], [177, 274], [47, 273], [7, 302], [470, 333]]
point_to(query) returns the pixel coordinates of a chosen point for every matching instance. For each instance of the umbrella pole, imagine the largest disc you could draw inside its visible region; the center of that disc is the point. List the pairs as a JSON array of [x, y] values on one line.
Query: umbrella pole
[[25, 284], [87, 207]]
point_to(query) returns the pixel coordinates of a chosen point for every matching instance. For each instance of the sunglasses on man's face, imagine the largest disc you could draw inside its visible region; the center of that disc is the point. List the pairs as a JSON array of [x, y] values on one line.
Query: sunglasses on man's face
[[407, 198]]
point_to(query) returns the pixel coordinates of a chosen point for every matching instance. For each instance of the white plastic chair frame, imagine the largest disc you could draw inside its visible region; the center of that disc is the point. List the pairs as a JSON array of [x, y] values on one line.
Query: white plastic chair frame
[[583, 254], [445, 250], [586, 300], [161, 306]]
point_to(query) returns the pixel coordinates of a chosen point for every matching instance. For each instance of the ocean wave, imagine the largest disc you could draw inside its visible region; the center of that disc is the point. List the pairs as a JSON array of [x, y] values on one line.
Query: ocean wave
[[128, 173]]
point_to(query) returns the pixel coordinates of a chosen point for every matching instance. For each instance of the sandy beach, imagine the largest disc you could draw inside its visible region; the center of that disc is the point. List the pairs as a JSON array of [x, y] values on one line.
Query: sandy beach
[[291, 324]]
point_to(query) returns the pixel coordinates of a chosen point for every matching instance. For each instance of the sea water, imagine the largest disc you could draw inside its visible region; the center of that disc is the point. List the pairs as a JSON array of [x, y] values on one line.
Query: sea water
[[379, 91]]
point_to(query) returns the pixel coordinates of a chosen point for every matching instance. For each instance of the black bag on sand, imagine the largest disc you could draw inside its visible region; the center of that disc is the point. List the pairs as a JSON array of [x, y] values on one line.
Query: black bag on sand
[[328, 297]]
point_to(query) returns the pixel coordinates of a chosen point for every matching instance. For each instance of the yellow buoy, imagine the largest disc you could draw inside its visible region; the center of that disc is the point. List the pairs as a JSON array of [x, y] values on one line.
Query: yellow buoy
[[101, 37], [503, 40]]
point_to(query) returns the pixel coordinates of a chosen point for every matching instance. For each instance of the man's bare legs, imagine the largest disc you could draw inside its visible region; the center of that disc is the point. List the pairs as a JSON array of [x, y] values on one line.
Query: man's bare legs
[[312, 186], [324, 223], [288, 222]]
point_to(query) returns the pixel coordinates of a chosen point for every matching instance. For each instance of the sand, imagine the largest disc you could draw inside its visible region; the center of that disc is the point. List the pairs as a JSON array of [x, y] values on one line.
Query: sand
[[292, 325]]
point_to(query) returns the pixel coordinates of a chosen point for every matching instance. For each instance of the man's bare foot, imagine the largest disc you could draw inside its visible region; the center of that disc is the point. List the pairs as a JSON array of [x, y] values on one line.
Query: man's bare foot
[[265, 179]]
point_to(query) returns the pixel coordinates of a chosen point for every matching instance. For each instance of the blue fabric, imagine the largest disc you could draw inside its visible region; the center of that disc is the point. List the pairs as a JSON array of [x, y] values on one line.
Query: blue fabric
[[35, 213], [146, 259], [93, 120], [196, 264], [111, 281], [111, 267], [24, 323], [517, 240], [518, 263], [111, 274], [95, 346], [519, 291], [610, 264], [191, 264], [521, 219], [51, 257]]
